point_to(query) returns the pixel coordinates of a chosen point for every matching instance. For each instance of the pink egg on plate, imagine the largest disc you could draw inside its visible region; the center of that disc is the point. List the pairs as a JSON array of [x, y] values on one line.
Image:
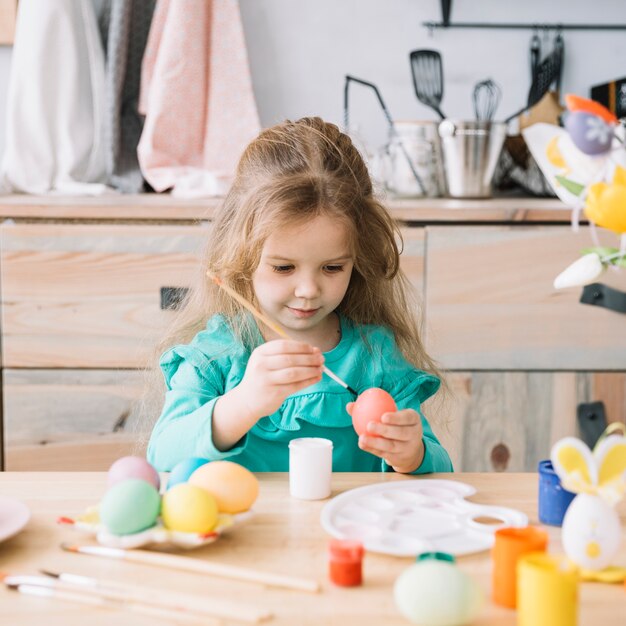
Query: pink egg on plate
[[132, 467]]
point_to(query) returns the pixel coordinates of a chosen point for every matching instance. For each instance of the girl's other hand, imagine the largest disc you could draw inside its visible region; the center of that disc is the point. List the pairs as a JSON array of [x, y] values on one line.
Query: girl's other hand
[[277, 369], [398, 439]]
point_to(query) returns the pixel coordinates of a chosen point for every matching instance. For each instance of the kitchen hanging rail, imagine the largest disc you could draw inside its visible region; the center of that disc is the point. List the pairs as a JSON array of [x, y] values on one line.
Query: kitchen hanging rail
[[535, 26]]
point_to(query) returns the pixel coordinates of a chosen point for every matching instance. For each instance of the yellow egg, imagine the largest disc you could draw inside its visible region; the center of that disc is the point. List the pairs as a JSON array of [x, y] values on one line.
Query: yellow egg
[[189, 509], [234, 487]]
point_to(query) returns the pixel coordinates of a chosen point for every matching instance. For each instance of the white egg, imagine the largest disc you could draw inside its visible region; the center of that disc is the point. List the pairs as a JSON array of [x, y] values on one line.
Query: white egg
[[437, 593], [591, 532]]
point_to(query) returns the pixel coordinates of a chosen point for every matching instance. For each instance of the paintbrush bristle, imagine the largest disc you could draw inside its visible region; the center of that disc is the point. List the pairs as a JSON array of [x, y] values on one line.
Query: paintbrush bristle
[[69, 547]]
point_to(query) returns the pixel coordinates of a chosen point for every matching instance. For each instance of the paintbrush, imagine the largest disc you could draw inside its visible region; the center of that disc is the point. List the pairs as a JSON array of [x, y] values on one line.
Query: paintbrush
[[33, 586], [195, 565], [184, 602], [271, 324]]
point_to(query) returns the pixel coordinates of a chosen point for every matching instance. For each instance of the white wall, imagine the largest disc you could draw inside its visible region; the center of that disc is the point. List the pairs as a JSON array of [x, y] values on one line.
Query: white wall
[[300, 51]]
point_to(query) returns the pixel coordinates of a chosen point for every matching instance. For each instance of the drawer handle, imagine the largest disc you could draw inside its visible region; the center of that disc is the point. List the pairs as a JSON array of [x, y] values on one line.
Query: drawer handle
[[591, 417], [172, 297], [598, 294]]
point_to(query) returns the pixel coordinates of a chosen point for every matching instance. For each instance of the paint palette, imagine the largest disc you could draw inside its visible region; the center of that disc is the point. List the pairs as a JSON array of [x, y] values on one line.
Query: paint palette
[[408, 517], [156, 536]]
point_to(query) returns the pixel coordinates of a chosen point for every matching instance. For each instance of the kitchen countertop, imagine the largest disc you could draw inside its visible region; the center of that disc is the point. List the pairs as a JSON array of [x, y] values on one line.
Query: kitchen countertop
[[283, 536], [162, 207]]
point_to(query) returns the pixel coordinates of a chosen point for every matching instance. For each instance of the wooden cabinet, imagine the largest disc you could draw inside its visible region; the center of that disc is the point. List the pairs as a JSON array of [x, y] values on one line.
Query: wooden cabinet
[[491, 303], [70, 419], [81, 307], [508, 420], [89, 295]]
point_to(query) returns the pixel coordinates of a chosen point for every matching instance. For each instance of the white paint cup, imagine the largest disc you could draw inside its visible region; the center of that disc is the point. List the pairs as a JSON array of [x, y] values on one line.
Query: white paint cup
[[310, 468]]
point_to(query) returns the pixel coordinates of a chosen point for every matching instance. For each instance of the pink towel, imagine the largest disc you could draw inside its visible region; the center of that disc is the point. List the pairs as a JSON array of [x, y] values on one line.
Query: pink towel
[[196, 94]]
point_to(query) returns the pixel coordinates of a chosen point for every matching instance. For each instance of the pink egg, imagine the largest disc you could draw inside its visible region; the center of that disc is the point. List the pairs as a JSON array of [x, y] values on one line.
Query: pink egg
[[369, 407], [133, 467]]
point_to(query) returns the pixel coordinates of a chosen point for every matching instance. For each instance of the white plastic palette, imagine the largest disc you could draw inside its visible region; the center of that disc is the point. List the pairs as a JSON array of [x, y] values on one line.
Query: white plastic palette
[[408, 517]]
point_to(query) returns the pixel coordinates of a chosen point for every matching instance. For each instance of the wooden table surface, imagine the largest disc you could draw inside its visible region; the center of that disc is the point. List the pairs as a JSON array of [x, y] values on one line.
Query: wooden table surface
[[284, 536]]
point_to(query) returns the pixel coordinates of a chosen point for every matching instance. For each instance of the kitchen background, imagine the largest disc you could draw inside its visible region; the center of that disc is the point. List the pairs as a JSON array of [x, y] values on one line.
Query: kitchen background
[[299, 53], [83, 280]]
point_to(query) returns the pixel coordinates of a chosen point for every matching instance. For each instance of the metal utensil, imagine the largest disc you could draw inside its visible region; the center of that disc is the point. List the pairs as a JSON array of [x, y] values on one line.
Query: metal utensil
[[392, 126], [486, 97], [559, 47], [544, 77], [427, 73], [535, 55]]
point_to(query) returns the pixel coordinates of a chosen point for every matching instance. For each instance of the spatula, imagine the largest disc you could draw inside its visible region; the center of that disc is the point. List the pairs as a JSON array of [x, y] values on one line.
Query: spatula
[[427, 72]]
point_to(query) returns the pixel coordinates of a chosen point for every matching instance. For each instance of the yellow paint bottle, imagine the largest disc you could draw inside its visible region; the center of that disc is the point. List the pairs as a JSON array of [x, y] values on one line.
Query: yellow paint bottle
[[547, 591]]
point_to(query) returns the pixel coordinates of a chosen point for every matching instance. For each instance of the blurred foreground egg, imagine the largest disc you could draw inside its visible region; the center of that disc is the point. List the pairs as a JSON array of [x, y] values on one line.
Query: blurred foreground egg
[[590, 133], [369, 407], [437, 593], [129, 507], [133, 467], [183, 470], [189, 509], [234, 487]]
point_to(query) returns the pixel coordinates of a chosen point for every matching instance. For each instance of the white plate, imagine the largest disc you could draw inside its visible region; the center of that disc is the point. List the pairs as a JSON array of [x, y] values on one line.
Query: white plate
[[408, 517], [14, 515]]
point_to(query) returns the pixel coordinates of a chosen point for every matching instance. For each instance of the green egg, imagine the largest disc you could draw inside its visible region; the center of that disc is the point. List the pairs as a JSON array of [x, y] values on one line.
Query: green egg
[[129, 507]]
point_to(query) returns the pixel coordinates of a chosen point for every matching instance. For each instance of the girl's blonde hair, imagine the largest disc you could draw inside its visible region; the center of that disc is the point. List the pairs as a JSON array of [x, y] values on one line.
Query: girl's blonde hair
[[290, 173]]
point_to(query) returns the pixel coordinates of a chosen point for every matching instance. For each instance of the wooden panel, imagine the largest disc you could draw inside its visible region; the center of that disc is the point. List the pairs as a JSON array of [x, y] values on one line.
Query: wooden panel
[[162, 206], [508, 421], [70, 419], [412, 258], [491, 303], [89, 295]]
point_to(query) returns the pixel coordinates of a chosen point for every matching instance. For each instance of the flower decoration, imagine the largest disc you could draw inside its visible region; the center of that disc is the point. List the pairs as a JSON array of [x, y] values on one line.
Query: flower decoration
[[585, 163]]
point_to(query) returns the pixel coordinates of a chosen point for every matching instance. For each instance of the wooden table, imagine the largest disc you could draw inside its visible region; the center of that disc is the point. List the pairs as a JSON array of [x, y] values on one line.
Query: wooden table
[[284, 536]]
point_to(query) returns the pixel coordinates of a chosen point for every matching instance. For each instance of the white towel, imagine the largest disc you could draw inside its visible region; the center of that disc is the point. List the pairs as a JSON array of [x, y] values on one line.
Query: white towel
[[54, 136]]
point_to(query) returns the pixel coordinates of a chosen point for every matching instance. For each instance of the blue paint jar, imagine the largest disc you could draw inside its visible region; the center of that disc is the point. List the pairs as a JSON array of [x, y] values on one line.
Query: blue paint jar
[[553, 498]]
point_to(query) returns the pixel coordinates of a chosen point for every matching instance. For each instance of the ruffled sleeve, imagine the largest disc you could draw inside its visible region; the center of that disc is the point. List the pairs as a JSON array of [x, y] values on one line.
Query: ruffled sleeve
[[194, 382]]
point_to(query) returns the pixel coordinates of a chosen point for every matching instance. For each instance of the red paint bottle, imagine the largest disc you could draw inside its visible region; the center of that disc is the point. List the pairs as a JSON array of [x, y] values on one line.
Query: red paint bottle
[[345, 564]]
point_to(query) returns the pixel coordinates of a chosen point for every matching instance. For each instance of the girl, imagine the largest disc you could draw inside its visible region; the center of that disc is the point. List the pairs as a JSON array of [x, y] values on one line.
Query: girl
[[301, 236]]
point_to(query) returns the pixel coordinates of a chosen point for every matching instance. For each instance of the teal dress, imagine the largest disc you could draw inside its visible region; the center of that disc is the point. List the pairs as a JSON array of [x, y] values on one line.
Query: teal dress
[[214, 362]]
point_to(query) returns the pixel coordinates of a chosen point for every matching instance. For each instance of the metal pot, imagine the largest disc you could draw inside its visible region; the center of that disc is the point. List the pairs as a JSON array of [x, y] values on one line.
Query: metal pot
[[470, 154]]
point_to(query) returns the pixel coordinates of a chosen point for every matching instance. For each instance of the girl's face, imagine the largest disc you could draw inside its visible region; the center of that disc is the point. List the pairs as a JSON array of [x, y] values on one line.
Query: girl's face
[[303, 274]]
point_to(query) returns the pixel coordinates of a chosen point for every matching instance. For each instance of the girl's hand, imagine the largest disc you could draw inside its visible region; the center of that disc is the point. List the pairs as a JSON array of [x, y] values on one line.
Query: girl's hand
[[399, 439], [275, 370]]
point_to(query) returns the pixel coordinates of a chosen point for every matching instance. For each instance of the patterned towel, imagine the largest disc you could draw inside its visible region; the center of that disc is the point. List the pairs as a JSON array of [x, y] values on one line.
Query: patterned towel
[[196, 94]]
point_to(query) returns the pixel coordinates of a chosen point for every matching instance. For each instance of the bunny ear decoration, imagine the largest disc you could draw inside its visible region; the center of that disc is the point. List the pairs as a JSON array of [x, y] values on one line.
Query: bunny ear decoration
[[573, 461], [610, 457]]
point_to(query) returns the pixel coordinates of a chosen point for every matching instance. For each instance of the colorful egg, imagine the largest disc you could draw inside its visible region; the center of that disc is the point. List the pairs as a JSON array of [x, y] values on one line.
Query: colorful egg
[[234, 487], [437, 593], [183, 470], [591, 533], [133, 467], [369, 407], [590, 133], [129, 507], [189, 509]]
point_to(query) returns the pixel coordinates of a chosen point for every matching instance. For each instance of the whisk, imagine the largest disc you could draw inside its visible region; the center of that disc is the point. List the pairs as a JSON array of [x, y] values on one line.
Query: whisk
[[486, 97]]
